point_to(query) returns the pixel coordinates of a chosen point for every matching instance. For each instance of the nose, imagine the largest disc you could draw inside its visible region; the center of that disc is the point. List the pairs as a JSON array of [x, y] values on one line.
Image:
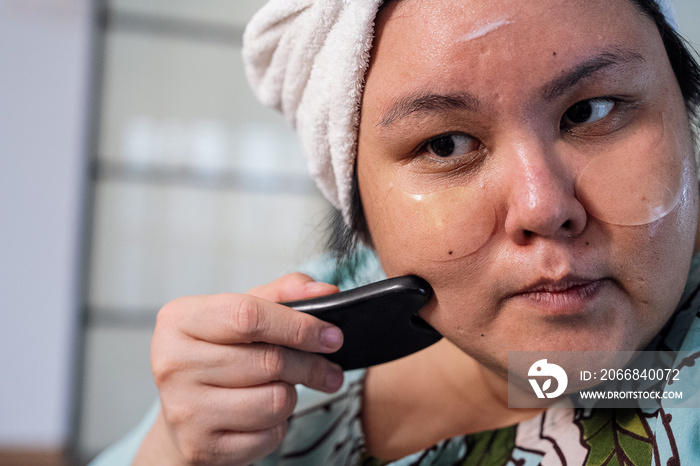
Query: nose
[[541, 198]]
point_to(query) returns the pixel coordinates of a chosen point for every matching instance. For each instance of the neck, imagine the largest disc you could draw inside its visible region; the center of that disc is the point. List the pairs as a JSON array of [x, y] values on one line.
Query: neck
[[480, 390], [438, 393]]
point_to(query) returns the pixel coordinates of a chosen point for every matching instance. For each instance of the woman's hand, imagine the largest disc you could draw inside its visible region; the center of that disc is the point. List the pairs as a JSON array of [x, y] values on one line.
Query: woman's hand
[[225, 366]]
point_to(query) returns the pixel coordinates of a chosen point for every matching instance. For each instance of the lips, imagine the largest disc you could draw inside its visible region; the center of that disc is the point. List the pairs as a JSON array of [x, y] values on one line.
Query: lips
[[569, 296]]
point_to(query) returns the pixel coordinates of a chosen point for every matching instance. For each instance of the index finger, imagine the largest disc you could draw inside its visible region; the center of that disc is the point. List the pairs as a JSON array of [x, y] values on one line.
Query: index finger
[[241, 318], [293, 287]]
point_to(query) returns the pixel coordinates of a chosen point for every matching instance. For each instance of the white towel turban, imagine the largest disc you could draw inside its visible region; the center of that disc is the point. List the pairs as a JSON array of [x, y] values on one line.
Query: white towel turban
[[308, 59]]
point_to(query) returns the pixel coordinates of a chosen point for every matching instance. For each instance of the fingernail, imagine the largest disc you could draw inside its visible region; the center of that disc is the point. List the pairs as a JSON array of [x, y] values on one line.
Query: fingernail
[[331, 337], [334, 378], [317, 287]]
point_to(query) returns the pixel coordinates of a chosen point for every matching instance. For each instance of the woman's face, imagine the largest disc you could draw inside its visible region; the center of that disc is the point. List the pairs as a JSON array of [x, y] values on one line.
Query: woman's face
[[532, 161]]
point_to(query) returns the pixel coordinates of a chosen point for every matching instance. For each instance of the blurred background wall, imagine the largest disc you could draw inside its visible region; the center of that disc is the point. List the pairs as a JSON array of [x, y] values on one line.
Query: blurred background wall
[[135, 167], [196, 189], [45, 72]]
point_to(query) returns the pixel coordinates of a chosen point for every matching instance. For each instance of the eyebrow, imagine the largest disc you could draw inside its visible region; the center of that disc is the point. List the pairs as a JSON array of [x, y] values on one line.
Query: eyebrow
[[605, 59], [422, 103]]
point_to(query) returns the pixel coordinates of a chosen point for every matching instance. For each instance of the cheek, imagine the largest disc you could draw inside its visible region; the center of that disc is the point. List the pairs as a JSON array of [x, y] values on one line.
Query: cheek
[[651, 263], [651, 260]]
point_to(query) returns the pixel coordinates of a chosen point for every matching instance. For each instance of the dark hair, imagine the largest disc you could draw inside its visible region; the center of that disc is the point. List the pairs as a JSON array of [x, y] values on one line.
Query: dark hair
[[345, 240], [679, 53]]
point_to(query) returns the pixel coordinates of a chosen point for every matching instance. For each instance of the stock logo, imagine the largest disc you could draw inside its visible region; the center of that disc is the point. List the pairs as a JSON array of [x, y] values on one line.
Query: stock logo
[[542, 369]]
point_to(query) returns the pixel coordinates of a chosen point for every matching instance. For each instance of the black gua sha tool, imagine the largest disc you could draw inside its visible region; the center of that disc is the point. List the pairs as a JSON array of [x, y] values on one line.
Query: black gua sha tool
[[379, 321]]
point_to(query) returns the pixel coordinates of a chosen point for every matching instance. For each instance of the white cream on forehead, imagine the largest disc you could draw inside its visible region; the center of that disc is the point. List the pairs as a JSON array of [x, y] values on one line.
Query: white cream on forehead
[[483, 28]]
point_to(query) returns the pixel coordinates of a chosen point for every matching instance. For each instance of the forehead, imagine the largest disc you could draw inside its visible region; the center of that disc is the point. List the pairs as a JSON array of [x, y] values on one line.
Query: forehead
[[438, 44], [435, 24]]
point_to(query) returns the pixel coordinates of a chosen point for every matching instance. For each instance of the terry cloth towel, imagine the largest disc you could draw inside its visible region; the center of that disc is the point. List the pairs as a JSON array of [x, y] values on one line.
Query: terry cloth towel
[[308, 59]]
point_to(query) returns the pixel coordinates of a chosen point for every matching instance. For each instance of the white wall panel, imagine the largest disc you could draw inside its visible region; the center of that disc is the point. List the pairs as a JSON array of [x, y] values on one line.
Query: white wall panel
[[44, 52]]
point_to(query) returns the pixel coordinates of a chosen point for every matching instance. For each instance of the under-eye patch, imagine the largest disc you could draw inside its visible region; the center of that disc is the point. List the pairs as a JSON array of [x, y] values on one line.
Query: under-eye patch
[[638, 183]]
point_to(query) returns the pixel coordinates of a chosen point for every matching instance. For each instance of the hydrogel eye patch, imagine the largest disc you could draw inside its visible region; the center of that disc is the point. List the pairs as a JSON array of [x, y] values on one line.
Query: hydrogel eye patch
[[636, 184], [453, 222]]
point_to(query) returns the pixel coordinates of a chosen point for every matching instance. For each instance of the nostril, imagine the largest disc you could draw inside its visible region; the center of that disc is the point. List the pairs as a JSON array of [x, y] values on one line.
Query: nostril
[[554, 217]]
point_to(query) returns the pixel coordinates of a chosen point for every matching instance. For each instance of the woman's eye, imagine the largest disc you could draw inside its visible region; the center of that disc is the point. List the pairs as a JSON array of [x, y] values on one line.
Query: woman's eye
[[450, 145], [587, 112]]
